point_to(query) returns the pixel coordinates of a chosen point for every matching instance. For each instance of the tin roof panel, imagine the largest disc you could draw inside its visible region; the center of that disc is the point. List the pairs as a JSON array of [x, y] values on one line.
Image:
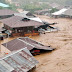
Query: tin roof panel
[[19, 61]]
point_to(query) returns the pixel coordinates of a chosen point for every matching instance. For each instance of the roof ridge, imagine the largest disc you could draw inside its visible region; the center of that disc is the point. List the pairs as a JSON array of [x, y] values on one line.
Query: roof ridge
[[13, 53], [26, 42]]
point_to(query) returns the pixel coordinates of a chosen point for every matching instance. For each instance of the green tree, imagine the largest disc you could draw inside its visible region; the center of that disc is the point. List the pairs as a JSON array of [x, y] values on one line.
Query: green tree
[[1, 7], [12, 7], [53, 10]]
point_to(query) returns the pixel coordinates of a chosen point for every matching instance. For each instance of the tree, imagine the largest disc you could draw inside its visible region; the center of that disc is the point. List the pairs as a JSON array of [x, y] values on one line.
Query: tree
[[53, 10], [12, 7], [1, 7]]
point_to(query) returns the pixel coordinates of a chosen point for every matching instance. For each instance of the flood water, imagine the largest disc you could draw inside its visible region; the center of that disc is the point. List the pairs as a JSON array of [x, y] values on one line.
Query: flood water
[[59, 60]]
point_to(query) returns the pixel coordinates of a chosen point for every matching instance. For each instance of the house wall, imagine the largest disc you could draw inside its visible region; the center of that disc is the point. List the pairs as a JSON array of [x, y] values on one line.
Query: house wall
[[23, 29], [19, 31], [3, 51]]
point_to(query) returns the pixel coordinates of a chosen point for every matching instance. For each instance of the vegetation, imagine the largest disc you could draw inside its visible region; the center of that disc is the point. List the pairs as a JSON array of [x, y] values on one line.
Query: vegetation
[[53, 10], [1, 7], [12, 7], [63, 2], [33, 5]]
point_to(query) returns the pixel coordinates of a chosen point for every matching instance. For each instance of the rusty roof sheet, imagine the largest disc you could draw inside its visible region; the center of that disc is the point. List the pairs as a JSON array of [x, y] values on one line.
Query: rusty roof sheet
[[16, 21], [19, 61], [6, 12], [25, 42]]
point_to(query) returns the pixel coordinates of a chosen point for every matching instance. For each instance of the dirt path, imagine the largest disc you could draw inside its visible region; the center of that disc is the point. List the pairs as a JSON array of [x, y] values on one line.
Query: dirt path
[[59, 60]]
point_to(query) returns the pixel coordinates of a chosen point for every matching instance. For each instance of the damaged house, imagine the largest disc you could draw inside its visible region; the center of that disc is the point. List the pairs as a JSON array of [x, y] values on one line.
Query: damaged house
[[18, 61], [29, 15], [21, 26], [33, 46], [46, 28]]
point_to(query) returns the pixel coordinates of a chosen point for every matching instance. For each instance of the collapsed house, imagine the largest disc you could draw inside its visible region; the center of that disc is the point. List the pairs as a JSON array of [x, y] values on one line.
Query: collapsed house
[[18, 61], [5, 13], [33, 46], [46, 28], [49, 23], [20, 26]]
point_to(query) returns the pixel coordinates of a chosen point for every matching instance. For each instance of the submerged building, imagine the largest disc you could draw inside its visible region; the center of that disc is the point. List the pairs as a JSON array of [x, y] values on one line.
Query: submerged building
[[33, 46], [18, 61], [20, 26]]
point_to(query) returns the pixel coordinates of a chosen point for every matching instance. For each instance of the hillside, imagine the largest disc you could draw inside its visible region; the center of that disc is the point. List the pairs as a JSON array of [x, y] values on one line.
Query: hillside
[[63, 2], [34, 5]]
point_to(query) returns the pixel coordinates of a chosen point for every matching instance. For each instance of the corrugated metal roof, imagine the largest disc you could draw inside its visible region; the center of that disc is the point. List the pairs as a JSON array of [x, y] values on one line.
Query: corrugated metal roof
[[27, 14], [19, 61], [35, 44], [16, 21], [25, 42], [60, 12], [36, 19]]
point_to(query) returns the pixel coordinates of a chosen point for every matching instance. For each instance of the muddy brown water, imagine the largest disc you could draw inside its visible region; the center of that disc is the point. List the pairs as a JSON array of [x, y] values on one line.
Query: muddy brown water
[[59, 60]]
